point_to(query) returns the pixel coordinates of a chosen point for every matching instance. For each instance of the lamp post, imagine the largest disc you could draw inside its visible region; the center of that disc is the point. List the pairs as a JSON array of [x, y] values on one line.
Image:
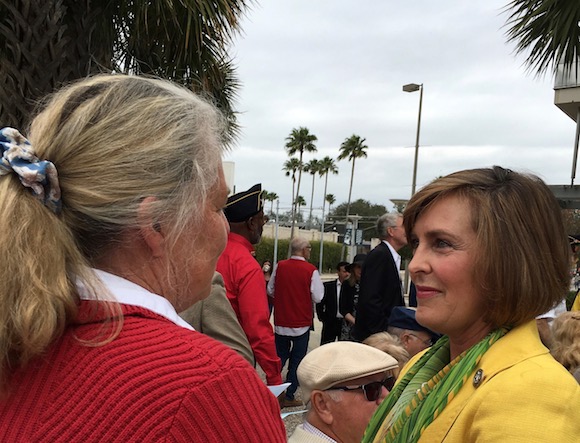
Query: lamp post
[[412, 87]]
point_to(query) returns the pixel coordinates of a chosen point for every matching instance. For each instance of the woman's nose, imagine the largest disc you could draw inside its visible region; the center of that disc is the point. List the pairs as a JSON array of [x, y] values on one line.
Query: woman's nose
[[419, 262]]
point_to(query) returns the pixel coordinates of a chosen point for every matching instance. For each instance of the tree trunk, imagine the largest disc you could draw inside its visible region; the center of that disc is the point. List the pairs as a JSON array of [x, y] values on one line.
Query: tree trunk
[[44, 44], [294, 205], [348, 207], [311, 202]]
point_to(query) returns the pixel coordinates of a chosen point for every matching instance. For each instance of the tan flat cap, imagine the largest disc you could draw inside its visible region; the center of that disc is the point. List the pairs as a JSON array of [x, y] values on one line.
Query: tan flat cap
[[335, 363]]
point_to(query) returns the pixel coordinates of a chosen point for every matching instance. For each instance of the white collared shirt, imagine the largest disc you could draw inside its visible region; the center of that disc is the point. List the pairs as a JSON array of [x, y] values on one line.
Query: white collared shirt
[[311, 429], [129, 293], [338, 287], [395, 255]]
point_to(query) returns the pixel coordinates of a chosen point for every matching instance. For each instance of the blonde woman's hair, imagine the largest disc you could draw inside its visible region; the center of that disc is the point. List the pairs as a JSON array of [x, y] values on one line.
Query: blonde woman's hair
[[390, 344], [114, 140], [566, 336]]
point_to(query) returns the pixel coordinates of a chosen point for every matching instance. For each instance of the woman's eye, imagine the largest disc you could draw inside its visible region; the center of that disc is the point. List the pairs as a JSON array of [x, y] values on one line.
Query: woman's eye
[[414, 243], [442, 244]]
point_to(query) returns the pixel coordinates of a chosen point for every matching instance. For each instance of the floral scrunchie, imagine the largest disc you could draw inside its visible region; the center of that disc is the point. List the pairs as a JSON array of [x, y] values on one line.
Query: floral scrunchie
[[40, 176]]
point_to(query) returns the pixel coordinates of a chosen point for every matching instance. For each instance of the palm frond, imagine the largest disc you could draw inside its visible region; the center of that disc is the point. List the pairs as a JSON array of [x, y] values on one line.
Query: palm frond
[[547, 30]]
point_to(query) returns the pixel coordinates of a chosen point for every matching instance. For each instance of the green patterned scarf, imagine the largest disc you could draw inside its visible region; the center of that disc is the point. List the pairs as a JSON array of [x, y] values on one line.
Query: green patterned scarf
[[424, 391]]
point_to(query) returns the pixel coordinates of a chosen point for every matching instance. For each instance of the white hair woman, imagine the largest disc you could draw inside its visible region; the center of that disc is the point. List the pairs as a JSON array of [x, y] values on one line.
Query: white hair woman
[[111, 222]]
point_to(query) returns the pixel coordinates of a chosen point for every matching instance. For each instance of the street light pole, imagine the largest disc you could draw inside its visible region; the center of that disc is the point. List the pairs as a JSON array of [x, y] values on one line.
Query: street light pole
[[412, 87]]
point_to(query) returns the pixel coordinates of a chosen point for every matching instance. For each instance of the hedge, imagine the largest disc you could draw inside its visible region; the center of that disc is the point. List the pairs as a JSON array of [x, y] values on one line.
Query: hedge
[[265, 251]]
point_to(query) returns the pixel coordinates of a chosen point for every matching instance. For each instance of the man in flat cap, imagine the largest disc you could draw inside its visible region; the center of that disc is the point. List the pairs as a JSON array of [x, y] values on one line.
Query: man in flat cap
[[344, 383], [413, 336], [244, 280]]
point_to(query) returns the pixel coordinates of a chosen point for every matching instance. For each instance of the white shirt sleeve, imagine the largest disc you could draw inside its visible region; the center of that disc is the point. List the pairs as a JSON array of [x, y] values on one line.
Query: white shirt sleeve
[[271, 283], [316, 287]]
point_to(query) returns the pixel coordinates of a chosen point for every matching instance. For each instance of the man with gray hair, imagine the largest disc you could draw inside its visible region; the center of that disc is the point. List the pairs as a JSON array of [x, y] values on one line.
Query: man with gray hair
[[344, 383], [295, 284], [380, 285]]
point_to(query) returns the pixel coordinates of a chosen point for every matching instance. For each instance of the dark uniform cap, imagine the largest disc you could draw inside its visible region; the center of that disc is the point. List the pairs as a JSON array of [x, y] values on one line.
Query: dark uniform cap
[[243, 205], [404, 318]]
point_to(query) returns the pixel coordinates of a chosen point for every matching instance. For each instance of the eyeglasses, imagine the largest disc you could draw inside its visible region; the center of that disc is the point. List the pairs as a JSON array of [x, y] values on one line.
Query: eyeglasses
[[371, 390], [428, 342]]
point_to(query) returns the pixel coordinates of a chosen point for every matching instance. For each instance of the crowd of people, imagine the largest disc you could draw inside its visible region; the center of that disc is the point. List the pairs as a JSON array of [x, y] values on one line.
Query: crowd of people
[[134, 309]]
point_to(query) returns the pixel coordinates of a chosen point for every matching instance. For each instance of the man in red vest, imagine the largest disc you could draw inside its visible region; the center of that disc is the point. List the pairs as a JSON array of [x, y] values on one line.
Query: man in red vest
[[294, 285]]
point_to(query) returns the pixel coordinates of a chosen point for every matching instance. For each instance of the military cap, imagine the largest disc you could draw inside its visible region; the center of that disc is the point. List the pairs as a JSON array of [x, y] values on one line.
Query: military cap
[[243, 205], [405, 318]]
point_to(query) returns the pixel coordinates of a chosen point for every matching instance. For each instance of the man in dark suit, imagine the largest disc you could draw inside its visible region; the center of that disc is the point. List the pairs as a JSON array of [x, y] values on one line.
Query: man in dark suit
[[327, 310], [380, 286]]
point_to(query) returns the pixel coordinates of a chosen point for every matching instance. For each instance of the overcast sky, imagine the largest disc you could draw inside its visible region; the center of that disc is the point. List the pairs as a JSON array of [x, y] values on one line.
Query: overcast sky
[[337, 67]]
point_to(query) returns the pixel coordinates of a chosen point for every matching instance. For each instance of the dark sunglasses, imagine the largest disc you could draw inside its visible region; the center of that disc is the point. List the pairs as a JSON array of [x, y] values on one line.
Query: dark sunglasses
[[371, 390]]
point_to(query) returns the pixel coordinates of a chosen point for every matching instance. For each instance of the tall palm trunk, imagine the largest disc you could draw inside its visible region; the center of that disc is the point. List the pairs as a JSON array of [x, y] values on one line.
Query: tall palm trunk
[[324, 196], [43, 46], [320, 264], [348, 207], [294, 204], [311, 202]]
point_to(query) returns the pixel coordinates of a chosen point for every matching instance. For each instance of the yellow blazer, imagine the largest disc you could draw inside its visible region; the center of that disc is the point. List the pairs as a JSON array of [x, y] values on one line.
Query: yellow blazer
[[524, 396], [576, 305]]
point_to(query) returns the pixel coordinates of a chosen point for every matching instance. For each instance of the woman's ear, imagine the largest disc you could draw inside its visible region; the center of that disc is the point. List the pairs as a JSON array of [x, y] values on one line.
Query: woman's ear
[[151, 230]]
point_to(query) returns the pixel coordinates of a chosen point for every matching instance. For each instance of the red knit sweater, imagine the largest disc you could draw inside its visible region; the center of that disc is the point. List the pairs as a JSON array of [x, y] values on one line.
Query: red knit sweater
[[156, 382]]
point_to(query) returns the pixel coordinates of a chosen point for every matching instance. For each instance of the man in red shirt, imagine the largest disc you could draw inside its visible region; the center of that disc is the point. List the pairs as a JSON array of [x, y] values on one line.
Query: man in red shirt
[[295, 286], [244, 279]]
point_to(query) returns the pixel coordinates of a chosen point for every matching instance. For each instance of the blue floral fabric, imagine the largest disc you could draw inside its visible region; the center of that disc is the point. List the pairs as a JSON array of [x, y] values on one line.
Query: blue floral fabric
[[40, 176]]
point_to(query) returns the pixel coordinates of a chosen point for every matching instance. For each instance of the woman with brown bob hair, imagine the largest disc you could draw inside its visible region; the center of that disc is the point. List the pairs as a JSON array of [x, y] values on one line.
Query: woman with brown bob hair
[[490, 254], [111, 223]]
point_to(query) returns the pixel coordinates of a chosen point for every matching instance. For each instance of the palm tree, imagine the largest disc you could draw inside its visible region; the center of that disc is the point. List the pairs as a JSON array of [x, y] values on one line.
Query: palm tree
[[299, 202], [298, 142], [313, 168], [327, 166], [291, 166], [331, 199], [351, 149], [546, 29], [271, 197], [46, 43]]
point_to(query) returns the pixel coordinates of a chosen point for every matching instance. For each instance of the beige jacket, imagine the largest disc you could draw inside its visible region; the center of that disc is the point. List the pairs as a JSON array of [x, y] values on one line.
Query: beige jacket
[[215, 317]]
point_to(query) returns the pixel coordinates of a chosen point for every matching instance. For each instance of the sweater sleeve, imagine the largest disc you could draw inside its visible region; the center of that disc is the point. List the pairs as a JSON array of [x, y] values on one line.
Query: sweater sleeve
[[254, 317], [236, 407]]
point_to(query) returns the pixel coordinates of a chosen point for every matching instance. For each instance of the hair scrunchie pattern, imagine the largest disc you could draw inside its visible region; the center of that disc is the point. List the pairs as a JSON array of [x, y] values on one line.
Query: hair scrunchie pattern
[[40, 176]]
